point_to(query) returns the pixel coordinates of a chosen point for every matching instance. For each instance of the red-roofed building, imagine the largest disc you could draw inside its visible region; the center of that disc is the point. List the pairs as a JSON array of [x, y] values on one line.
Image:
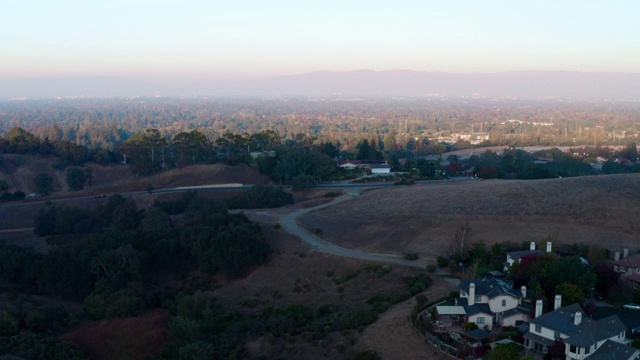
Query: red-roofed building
[[629, 268]]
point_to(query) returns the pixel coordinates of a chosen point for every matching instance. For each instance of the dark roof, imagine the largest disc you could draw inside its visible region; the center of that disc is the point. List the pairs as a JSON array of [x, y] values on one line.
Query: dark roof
[[475, 308], [490, 287], [373, 162], [612, 350], [587, 332], [478, 334], [517, 255], [523, 328], [632, 261]]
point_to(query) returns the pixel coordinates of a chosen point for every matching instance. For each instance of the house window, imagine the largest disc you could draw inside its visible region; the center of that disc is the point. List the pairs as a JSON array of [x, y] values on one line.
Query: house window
[[556, 335], [480, 320], [622, 268], [587, 349], [572, 349], [478, 298], [504, 302], [538, 329]]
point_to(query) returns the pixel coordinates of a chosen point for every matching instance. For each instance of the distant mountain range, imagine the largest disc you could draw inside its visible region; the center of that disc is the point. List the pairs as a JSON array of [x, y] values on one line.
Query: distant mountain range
[[352, 84]]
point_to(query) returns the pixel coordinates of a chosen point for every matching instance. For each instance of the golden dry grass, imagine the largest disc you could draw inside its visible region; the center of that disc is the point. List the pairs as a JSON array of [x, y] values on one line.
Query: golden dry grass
[[423, 218]]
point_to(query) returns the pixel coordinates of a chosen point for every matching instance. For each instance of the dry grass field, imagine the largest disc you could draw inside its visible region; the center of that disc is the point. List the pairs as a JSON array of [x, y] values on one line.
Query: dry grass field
[[423, 218], [420, 218]]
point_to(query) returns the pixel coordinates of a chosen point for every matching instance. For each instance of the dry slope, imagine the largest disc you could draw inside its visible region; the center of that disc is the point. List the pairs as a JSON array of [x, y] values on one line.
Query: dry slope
[[423, 218]]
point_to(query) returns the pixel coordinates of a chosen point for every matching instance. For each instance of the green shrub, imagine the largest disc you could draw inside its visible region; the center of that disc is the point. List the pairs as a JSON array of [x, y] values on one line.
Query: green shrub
[[442, 262], [411, 256]]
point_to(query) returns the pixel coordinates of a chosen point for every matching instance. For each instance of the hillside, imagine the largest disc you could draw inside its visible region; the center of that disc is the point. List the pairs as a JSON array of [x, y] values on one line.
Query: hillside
[[117, 178], [424, 218], [112, 179]]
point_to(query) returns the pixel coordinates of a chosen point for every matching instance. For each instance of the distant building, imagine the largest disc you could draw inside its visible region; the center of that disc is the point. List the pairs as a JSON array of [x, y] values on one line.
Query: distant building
[[628, 267]]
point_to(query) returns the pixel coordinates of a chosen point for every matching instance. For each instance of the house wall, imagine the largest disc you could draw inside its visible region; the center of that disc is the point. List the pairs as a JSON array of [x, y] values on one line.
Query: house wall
[[545, 332], [495, 304], [380, 171], [511, 320], [488, 320]]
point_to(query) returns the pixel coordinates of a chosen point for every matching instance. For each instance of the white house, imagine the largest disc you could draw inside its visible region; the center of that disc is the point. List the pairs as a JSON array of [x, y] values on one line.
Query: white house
[[489, 301], [381, 169], [583, 337]]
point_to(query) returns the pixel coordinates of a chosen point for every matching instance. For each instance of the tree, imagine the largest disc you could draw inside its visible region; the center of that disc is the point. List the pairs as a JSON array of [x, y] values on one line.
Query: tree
[[570, 293], [364, 150], [44, 183], [191, 147], [143, 151], [323, 165], [606, 278], [76, 178], [510, 351], [389, 141], [630, 152], [461, 240], [22, 142]]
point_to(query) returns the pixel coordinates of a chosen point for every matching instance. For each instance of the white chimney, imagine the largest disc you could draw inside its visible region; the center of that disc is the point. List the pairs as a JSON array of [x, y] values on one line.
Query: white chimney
[[625, 252], [523, 290], [557, 304], [472, 294], [532, 246], [577, 318], [538, 308], [617, 255], [548, 246]]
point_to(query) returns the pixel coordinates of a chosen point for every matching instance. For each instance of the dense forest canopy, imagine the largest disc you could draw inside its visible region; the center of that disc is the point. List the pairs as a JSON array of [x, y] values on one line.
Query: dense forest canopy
[[104, 123]]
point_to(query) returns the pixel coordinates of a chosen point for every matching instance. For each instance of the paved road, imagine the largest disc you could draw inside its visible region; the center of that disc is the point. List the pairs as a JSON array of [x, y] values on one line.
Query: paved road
[[290, 223]]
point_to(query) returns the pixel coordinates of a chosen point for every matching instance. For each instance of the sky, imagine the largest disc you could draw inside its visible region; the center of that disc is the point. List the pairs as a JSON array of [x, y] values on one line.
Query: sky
[[243, 39]]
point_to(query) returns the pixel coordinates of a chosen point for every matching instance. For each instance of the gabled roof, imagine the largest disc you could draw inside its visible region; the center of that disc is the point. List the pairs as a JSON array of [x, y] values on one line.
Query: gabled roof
[[587, 332], [474, 309], [490, 287], [612, 350], [632, 261], [517, 255]]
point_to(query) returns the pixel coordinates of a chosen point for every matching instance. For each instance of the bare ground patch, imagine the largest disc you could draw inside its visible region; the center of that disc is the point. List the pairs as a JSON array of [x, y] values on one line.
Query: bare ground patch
[[392, 334]]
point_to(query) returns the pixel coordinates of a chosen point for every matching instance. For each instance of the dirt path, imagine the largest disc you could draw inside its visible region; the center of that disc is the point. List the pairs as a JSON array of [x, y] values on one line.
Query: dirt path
[[290, 223], [393, 337]]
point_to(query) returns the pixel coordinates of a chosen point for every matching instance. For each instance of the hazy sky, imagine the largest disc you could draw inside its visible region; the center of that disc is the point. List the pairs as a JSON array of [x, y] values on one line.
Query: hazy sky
[[228, 39]]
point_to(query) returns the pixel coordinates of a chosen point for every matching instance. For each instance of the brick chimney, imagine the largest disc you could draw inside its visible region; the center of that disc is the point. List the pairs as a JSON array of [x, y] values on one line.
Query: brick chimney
[[625, 252], [538, 308], [616, 255], [523, 291], [532, 246], [472, 294], [557, 304], [549, 248], [577, 318]]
